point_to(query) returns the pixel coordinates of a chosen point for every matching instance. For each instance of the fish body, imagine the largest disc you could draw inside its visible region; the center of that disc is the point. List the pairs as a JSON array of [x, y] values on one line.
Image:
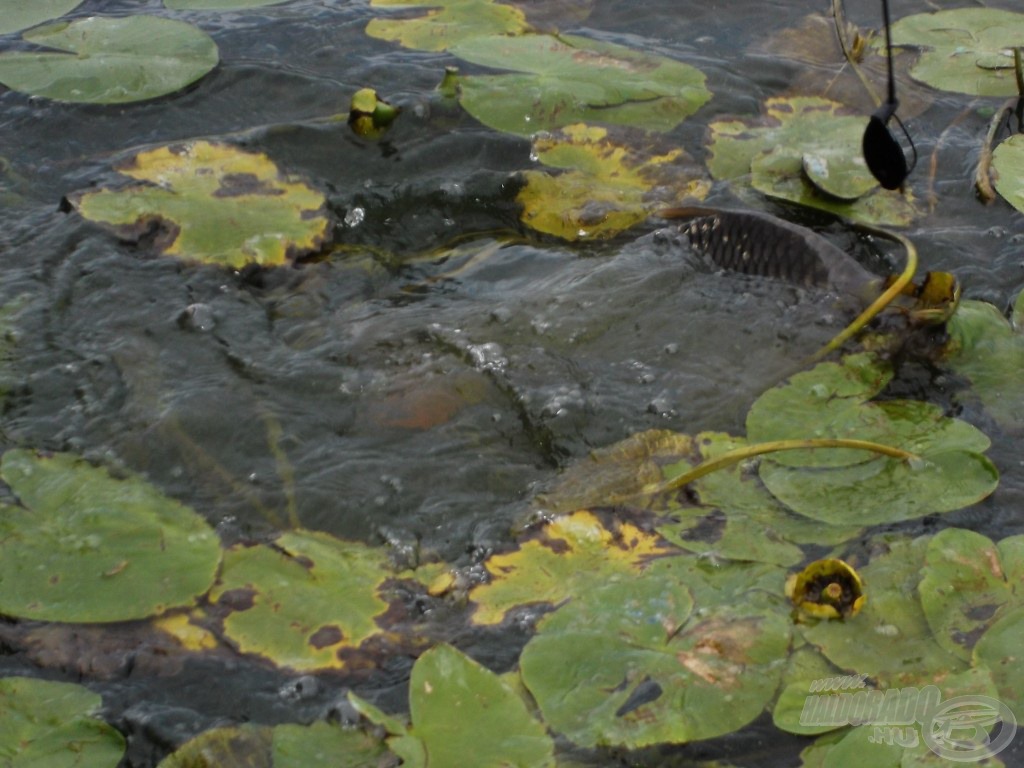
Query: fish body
[[758, 244]]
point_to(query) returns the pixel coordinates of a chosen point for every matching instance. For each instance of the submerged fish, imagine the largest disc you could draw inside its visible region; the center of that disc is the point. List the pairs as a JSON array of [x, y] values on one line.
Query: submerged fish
[[762, 245]]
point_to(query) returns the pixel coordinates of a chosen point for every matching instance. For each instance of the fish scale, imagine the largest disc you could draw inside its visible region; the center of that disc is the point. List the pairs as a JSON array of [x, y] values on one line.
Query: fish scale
[[758, 244]]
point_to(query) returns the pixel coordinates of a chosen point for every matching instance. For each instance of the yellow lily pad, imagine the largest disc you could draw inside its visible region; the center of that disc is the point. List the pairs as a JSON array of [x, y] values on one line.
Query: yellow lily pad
[[445, 23], [212, 203], [303, 602], [613, 179], [569, 553]]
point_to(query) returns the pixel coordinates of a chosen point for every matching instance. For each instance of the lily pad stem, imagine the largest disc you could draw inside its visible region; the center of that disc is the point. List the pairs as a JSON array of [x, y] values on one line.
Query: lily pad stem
[[982, 178], [737, 455], [881, 302], [1018, 72], [840, 22]]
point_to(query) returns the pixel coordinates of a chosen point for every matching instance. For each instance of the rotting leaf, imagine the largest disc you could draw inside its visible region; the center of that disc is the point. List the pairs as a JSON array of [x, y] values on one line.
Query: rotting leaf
[[618, 471], [304, 601], [48, 723], [562, 559], [110, 60], [967, 50], [212, 203], [964, 588], [613, 179], [446, 22], [283, 746], [647, 670], [558, 81], [806, 150], [87, 547]]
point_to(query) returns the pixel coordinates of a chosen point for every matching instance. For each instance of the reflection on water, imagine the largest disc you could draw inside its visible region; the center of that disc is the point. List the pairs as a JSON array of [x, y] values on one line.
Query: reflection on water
[[394, 391]]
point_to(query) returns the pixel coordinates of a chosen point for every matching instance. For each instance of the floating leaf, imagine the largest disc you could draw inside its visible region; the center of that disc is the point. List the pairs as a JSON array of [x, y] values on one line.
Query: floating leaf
[[730, 514], [884, 490], [614, 180], [214, 203], [986, 349], [1008, 170], [619, 471], [841, 486], [999, 650], [967, 50], [87, 547], [460, 708], [283, 746], [110, 60], [16, 15], [806, 150], [627, 663], [568, 79], [303, 602], [46, 723], [453, 701], [565, 557], [889, 640], [827, 401], [446, 23], [964, 588]]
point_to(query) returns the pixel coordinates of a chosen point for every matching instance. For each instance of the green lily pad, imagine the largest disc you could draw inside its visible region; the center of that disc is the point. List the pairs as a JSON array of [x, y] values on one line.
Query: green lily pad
[[460, 708], [563, 559], [446, 22], [16, 15], [729, 514], [212, 203], [453, 700], [304, 602], [613, 180], [964, 588], [806, 150], [567, 79], [88, 547], [283, 746], [1008, 170], [110, 60], [828, 401], [999, 650], [46, 723], [967, 50], [884, 490], [647, 668], [890, 640], [986, 349]]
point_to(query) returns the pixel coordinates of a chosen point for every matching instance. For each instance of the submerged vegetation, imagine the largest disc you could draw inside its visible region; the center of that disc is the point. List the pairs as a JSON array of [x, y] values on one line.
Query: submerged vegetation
[[661, 589]]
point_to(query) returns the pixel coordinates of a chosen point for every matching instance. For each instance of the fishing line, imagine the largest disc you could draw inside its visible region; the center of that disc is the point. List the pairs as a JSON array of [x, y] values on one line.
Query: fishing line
[[883, 154]]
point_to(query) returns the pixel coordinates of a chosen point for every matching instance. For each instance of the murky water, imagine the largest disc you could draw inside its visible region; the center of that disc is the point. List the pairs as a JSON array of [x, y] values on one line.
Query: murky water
[[422, 396]]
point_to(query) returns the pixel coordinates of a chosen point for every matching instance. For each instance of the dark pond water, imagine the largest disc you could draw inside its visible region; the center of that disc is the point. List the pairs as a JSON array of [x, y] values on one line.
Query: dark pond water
[[423, 381]]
